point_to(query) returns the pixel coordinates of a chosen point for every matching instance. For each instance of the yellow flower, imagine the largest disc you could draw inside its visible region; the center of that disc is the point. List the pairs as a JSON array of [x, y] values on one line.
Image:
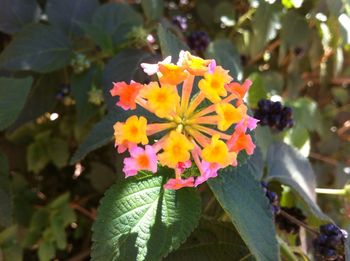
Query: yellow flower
[[229, 114], [161, 100], [213, 84], [217, 152], [171, 74], [133, 130], [194, 64], [176, 149]]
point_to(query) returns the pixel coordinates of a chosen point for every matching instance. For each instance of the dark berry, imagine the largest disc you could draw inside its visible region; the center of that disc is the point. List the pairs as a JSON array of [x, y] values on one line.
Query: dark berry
[[198, 41], [329, 244], [276, 107], [272, 197], [274, 114], [329, 229], [287, 112], [180, 22]]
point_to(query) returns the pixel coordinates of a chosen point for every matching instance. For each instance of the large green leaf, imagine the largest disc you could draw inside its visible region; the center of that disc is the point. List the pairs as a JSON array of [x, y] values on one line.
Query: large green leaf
[[37, 47], [227, 56], [170, 44], [212, 240], [153, 9], [293, 169], [244, 200], [264, 25], [295, 24], [116, 20], [139, 220], [43, 92], [81, 85], [5, 193], [100, 135], [13, 93], [66, 13], [14, 14]]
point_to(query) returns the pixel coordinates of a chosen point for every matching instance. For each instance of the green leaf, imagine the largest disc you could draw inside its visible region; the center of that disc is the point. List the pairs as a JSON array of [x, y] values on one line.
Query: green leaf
[[264, 25], [46, 251], [81, 85], [100, 135], [170, 44], [28, 51], [298, 136], [58, 230], [37, 157], [124, 67], [306, 114], [99, 36], [116, 20], [66, 14], [13, 93], [227, 56], [294, 24], [14, 14], [243, 198], [257, 91], [6, 204], [101, 176], [58, 152], [139, 220], [212, 240], [293, 169], [153, 9], [43, 92]]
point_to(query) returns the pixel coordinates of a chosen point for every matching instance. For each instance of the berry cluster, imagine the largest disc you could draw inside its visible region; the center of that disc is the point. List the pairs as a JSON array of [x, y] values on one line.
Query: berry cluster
[[274, 114], [198, 41], [288, 225], [63, 91], [329, 244], [180, 21], [273, 198]]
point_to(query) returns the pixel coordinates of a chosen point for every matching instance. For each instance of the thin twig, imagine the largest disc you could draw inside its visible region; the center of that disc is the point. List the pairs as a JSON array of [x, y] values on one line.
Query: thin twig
[[269, 48], [82, 210], [323, 158], [245, 257], [298, 222]]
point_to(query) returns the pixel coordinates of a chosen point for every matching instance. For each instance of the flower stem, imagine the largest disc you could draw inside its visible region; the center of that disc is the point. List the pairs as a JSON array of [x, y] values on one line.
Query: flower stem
[[340, 192]]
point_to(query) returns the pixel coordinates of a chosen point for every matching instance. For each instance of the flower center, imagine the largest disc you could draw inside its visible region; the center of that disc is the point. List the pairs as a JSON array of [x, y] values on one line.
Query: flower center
[[143, 161]]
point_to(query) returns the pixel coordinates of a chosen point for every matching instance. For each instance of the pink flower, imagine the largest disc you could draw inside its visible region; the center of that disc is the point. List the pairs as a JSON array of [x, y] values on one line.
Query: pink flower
[[208, 170], [247, 123], [176, 184], [141, 159], [182, 166], [211, 66], [151, 69]]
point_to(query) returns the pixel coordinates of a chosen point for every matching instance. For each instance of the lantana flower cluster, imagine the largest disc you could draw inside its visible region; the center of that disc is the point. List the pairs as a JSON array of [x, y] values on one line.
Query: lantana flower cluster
[[202, 125]]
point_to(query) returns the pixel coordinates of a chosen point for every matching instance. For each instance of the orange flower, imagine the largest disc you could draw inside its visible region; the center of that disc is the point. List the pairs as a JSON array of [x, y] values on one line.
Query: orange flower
[[127, 94]]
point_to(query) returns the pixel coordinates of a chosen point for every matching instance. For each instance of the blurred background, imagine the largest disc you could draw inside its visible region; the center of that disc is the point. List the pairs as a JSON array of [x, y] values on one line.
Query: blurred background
[[57, 156]]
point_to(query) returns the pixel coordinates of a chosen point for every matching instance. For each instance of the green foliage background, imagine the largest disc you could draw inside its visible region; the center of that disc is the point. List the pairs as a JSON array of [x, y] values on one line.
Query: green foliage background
[[54, 171]]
